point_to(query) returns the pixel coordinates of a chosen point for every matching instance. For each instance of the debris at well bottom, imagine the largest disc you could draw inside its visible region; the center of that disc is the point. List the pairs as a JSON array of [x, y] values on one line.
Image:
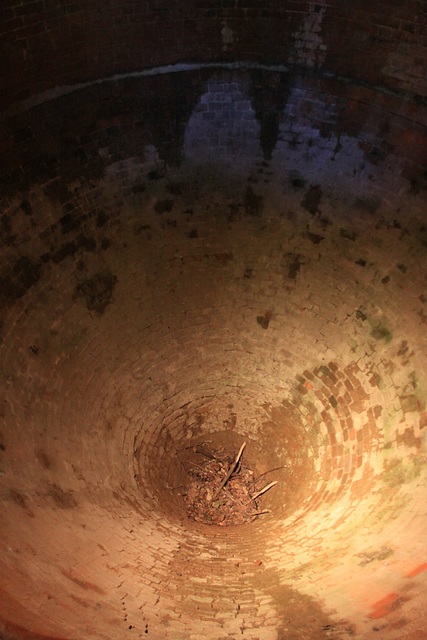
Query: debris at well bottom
[[222, 492]]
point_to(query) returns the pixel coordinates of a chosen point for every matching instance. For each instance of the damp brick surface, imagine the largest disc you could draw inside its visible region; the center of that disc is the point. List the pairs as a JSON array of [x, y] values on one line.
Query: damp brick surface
[[213, 232]]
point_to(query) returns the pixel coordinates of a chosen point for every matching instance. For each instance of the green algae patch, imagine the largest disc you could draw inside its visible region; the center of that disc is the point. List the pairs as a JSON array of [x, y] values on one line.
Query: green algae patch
[[366, 557], [353, 345], [389, 423], [399, 472], [378, 328], [394, 508], [380, 331]]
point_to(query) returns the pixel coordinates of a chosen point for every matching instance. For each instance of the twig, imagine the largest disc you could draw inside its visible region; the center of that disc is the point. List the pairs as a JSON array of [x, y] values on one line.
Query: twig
[[256, 514], [256, 495], [230, 471], [270, 471], [227, 493]]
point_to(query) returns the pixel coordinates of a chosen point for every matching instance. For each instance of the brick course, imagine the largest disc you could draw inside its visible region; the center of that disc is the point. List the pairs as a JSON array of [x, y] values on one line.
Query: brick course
[[221, 254]]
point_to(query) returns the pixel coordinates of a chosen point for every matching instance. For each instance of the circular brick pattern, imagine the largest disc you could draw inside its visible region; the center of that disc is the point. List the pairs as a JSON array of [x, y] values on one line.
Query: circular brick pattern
[[150, 304]]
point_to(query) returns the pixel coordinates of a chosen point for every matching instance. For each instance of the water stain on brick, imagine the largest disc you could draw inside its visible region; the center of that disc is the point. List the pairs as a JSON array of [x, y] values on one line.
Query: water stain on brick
[[223, 258], [164, 206], [169, 224], [57, 191], [19, 499], [97, 291], [264, 320], [303, 616], [374, 154], [22, 276], [270, 93], [360, 315], [101, 218], [84, 242], [62, 499], [418, 183], [156, 174], [26, 207], [253, 203], [174, 189], [6, 235], [348, 235], [65, 250], [385, 224], [297, 180], [81, 601], [375, 380], [269, 132], [370, 205], [403, 349], [44, 459], [293, 264], [10, 630], [234, 210], [83, 584], [146, 228], [315, 239], [71, 221], [423, 235], [138, 187], [312, 199]]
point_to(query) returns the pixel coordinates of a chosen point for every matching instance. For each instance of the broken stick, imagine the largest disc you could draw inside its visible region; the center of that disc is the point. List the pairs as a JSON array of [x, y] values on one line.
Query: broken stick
[[269, 471], [230, 471], [256, 495]]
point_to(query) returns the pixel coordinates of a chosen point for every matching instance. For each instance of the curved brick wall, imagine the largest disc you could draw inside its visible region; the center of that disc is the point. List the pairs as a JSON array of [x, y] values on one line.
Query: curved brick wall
[[53, 43], [213, 253]]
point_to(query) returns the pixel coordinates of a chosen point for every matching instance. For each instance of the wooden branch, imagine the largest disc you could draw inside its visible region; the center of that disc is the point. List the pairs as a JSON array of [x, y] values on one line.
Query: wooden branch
[[258, 513], [256, 495], [230, 471], [227, 493], [269, 471]]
